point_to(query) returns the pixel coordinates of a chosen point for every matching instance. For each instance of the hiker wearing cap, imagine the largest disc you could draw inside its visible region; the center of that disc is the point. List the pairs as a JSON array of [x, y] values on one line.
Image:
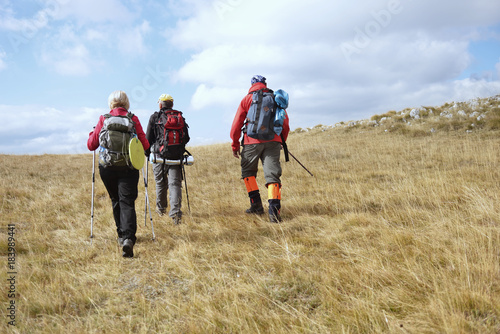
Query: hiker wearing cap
[[167, 134], [267, 149], [117, 173]]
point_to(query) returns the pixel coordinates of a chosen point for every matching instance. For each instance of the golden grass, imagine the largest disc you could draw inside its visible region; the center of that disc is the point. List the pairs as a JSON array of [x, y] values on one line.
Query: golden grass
[[393, 234]]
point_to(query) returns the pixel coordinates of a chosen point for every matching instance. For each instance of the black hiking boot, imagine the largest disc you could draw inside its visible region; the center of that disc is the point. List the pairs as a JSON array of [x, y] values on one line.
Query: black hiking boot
[[128, 248], [274, 211], [177, 220], [255, 208], [275, 218], [255, 203]]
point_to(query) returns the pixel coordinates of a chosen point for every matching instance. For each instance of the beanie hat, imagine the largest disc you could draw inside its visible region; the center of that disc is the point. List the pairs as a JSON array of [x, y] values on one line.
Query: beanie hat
[[258, 78]]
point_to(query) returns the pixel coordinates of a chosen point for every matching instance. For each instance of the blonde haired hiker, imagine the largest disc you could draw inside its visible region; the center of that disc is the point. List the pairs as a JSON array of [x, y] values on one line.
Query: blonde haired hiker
[[112, 134]]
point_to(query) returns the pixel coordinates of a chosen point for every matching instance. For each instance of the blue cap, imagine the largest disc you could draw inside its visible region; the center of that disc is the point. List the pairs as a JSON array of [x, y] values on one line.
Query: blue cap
[[258, 78]]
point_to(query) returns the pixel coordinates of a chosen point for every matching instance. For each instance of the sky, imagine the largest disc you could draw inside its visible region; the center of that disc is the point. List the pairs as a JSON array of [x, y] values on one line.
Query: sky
[[339, 60]]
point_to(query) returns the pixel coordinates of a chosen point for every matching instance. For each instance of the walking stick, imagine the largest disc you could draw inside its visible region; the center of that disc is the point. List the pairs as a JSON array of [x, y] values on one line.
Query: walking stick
[[147, 197], [287, 153], [185, 182], [92, 205], [146, 204], [300, 163]]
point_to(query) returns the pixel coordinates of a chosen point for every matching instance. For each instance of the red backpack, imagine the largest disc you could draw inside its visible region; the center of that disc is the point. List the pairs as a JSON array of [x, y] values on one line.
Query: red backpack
[[171, 134]]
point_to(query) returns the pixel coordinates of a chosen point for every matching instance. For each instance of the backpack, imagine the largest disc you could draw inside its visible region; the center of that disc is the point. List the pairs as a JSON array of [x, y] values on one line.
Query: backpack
[[114, 139], [260, 116], [281, 98], [171, 134]]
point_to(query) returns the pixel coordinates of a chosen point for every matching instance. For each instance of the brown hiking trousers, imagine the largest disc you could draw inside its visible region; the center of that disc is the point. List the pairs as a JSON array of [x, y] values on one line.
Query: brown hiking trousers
[[269, 154]]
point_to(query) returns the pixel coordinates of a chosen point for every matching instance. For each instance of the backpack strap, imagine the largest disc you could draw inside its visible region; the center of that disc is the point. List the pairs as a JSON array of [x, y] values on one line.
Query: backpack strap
[[260, 94], [262, 89], [169, 110], [244, 127], [130, 116]]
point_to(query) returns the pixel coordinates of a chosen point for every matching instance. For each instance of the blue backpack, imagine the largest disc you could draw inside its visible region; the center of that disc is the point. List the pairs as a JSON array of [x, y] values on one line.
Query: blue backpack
[[281, 99]]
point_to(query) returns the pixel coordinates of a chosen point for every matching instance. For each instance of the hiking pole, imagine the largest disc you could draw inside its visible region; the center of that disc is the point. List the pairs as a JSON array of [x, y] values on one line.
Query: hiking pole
[[147, 197], [185, 182], [92, 205], [146, 204], [287, 153], [307, 170]]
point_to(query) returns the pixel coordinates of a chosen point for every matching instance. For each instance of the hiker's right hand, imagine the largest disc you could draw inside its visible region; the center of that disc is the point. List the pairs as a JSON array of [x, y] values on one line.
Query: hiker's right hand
[[236, 154]]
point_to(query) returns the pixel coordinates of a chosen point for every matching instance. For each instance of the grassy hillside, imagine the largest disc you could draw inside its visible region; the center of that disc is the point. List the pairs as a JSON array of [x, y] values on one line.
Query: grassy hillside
[[469, 116], [397, 232]]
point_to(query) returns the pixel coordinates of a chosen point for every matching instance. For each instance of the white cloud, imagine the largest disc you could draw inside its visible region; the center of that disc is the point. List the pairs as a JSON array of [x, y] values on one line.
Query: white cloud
[[406, 52], [207, 96], [74, 34], [223, 64], [66, 54], [131, 41], [49, 130], [27, 25], [74, 51], [95, 35], [72, 60], [469, 89], [22, 30], [418, 58], [182, 8], [282, 22]]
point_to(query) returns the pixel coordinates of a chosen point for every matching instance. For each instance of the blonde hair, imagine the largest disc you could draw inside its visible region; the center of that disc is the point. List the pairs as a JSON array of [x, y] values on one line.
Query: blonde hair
[[118, 99]]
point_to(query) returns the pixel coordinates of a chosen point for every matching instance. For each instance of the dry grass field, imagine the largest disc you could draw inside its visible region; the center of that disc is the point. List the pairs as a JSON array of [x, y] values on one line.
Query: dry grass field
[[397, 232]]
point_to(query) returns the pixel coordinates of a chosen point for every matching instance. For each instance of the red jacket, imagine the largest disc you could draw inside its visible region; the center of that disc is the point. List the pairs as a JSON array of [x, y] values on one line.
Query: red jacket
[[241, 116], [93, 141]]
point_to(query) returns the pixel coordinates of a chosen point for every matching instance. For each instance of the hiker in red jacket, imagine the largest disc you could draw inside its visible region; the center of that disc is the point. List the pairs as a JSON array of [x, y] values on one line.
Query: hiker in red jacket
[[268, 151], [119, 178]]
